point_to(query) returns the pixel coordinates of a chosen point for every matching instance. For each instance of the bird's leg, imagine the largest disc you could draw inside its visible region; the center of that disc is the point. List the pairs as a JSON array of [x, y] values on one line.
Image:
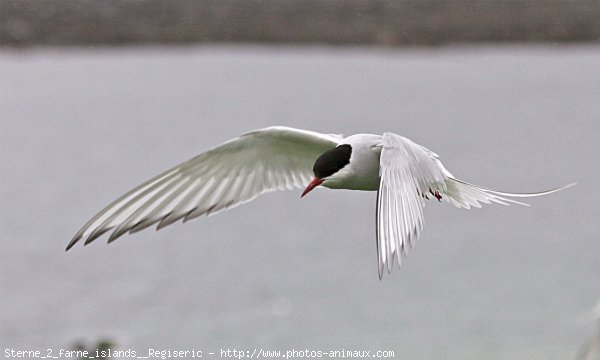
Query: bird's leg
[[436, 194]]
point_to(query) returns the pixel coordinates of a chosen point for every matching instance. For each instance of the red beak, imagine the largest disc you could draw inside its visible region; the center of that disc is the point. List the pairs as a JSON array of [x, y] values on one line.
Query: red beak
[[313, 184]]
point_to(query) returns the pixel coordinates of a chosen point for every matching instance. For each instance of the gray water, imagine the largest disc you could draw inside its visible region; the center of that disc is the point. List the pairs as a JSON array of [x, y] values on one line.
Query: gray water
[[80, 127]]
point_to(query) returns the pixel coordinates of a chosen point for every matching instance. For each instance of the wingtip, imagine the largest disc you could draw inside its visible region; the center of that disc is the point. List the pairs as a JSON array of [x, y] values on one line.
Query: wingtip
[[380, 271], [115, 235], [570, 185], [71, 244], [75, 240]]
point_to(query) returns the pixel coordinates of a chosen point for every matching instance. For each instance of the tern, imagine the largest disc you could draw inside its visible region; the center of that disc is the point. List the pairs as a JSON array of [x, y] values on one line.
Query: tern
[[403, 173]]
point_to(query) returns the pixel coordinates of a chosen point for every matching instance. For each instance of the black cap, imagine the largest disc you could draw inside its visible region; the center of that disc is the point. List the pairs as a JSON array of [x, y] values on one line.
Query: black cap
[[332, 161]]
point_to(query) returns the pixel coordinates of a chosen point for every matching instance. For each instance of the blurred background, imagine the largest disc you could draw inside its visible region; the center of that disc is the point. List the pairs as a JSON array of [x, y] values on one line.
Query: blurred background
[[98, 96], [350, 22]]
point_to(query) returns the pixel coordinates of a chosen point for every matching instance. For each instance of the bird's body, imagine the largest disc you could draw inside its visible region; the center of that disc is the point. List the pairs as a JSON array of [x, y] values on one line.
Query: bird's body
[[403, 173]]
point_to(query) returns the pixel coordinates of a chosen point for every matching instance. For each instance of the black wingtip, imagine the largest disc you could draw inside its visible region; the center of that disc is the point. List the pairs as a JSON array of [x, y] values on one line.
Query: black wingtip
[[72, 243], [115, 235]]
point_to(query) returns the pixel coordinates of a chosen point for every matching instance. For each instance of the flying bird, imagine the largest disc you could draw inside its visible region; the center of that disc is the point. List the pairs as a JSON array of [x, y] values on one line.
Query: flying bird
[[403, 173]]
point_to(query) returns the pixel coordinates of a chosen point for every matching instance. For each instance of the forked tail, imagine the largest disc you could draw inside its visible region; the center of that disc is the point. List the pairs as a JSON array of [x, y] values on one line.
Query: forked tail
[[465, 195]]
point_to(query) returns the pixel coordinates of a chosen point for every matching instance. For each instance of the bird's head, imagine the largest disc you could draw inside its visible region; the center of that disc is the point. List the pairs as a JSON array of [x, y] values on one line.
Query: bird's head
[[328, 164]]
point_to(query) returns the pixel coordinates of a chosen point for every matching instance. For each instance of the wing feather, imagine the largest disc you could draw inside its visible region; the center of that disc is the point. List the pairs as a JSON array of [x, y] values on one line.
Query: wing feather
[[407, 170], [409, 173], [274, 158]]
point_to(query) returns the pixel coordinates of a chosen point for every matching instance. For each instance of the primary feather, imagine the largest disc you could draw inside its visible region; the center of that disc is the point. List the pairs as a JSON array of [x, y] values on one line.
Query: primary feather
[[275, 158]]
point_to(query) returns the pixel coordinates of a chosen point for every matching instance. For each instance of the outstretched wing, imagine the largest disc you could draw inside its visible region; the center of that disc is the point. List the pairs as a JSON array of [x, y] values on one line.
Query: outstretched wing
[[408, 173], [274, 158]]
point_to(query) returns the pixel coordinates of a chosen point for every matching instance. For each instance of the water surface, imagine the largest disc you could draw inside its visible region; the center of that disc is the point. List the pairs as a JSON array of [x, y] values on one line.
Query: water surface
[[80, 127]]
